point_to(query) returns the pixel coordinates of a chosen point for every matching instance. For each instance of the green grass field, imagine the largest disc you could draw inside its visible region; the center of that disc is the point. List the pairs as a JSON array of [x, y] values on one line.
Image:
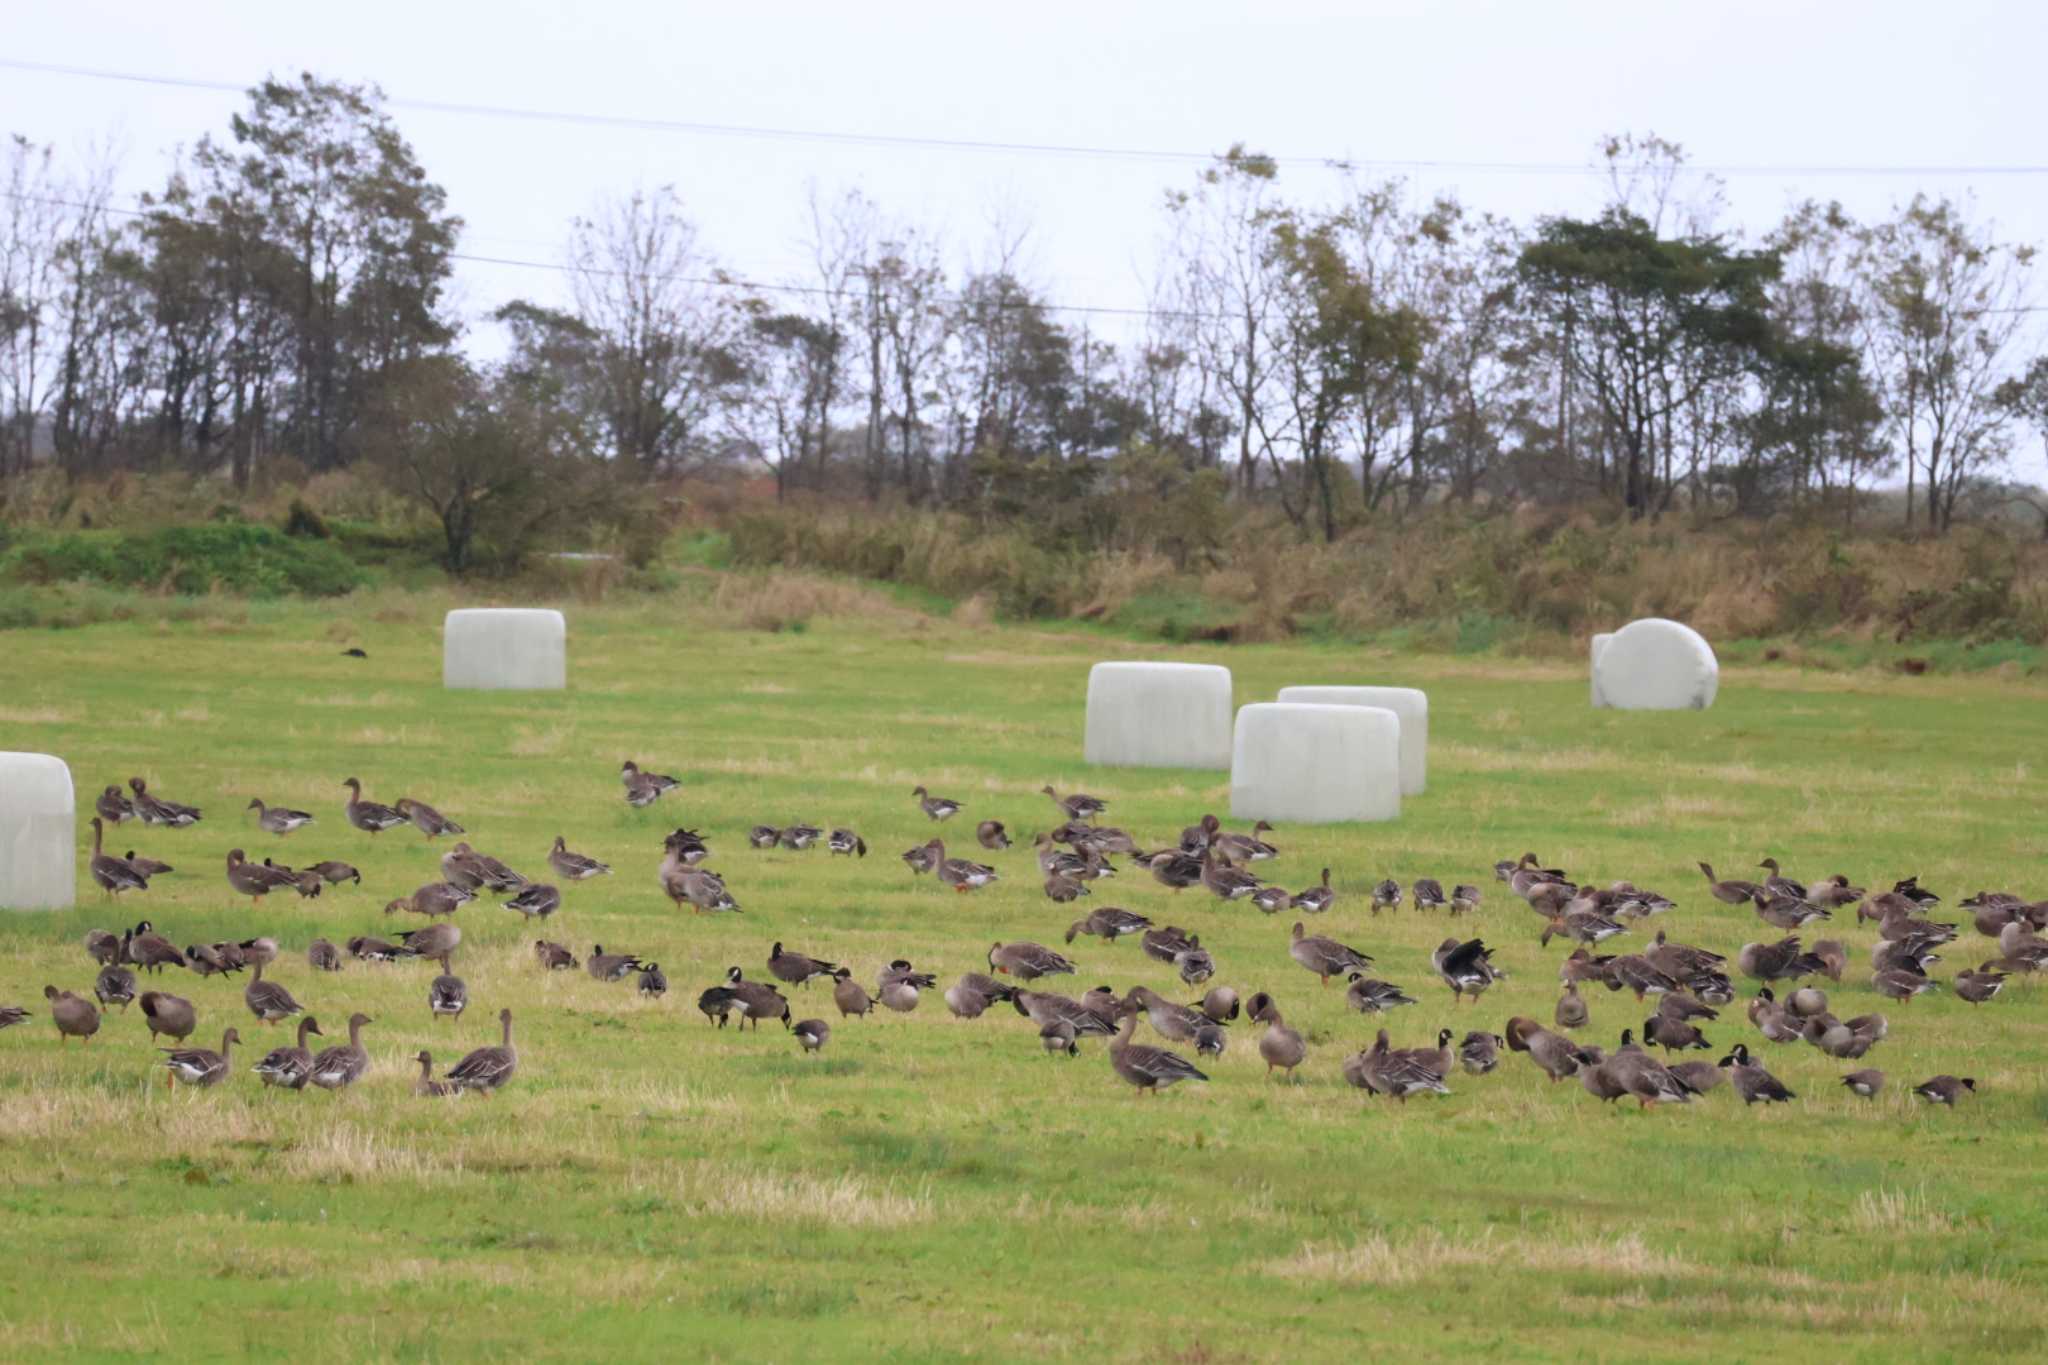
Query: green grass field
[[653, 1187]]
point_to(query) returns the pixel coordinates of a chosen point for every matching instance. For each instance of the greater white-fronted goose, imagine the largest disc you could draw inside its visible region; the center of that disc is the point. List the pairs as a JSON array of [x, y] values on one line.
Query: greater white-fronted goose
[[254, 880], [151, 951], [1865, 1083], [1836, 893], [1326, 957], [800, 837], [574, 867], [334, 872], [924, 858], [703, 890], [115, 985], [796, 968], [554, 957], [536, 900], [278, 819], [962, 874], [1555, 1055], [1079, 806], [1149, 1068], [434, 898], [1272, 900], [1048, 1007], [74, 1015], [323, 956], [259, 949], [1109, 922], [447, 994], [267, 1000], [154, 810], [1061, 889], [371, 817], [487, 1069], [990, 834], [114, 875], [1778, 884], [167, 1015], [426, 1086], [846, 843], [1787, 912], [1369, 996], [935, 807], [1224, 881], [1479, 1052], [199, 1066], [644, 788], [1027, 960], [1280, 1047], [1402, 1072], [1571, 1012], [1243, 848], [849, 995], [1467, 968], [1317, 899], [1733, 891], [964, 1000], [1220, 1005], [473, 870], [112, 806], [1902, 985], [214, 959], [1171, 1020], [337, 1068], [289, 1068]]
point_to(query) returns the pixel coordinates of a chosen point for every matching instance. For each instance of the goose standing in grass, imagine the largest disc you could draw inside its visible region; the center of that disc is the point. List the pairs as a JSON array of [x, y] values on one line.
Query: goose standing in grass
[[289, 1068], [924, 858], [1467, 968], [764, 836], [574, 867], [1902, 985], [151, 951], [254, 880], [1224, 881], [214, 959], [1555, 1055], [1172, 868], [115, 985], [554, 957], [269, 1001], [990, 834], [323, 956], [935, 807], [1778, 961], [1427, 894], [473, 870], [1220, 1005], [812, 1034], [112, 806], [1195, 964], [1979, 986], [1402, 1072], [199, 1066], [755, 1000], [1057, 1037], [10, 1015], [114, 875], [1317, 899], [430, 942], [487, 1069], [604, 966], [849, 995], [846, 844], [798, 838], [1386, 896], [1108, 922], [1571, 1012], [1175, 1022], [1167, 942], [1778, 884], [536, 900], [104, 946], [898, 987], [1464, 898], [1643, 1076], [337, 1068], [1673, 1035], [653, 981], [1079, 806], [434, 898], [278, 819], [1245, 848], [1061, 889], [1326, 957], [447, 994], [1479, 1052], [334, 872], [74, 1016], [167, 1015], [426, 1086], [1370, 996], [1279, 1046], [154, 810], [643, 789], [1752, 1082], [796, 968], [1865, 1083], [962, 874], [1946, 1089], [1732, 892], [703, 890], [1271, 900], [1149, 1068], [371, 817], [1027, 960]]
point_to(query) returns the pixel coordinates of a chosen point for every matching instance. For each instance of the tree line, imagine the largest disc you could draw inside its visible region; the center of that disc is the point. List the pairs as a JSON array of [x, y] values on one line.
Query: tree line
[[284, 295]]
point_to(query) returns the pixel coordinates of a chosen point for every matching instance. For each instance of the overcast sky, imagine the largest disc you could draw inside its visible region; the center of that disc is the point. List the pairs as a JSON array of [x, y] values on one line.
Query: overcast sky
[[1900, 83]]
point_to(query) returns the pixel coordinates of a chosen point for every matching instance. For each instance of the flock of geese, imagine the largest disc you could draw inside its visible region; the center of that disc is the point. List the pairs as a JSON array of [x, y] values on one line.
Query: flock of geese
[[1690, 985]]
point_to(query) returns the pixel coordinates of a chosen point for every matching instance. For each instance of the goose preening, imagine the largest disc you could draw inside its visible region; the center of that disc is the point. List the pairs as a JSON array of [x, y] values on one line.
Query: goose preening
[[113, 805], [1028, 961], [74, 1016]]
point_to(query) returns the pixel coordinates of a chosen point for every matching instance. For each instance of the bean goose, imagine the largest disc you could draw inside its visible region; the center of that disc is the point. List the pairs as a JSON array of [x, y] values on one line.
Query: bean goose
[[1175, 1022], [990, 834], [1272, 900], [1326, 957], [112, 806], [113, 875], [1109, 922], [426, 1086], [574, 867], [74, 1016], [289, 1068], [1149, 1068], [371, 817], [1172, 869], [962, 874], [337, 1068], [1027, 960], [935, 807], [167, 1015], [1279, 1046], [447, 994], [487, 1069], [154, 810], [1778, 884], [1079, 806], [278, 819], [1242, 848], [1317, 899], [198, 1066], [269, 1001]]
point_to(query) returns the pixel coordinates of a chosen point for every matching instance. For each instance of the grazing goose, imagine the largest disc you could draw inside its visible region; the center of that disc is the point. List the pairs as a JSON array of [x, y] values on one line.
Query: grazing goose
[[74, 1015], [168, 1016], [151, 951], [1175, 1022], [435, 898], [935, 807], [1555, 1055], [214, 959], [1467, 968], [1109, 922], [1326, 957], [643, 788], [1643, 1076], [1698, 1077], [962, 874], [703, 890], [1732, 892], [1079, 806], [990, 834], [653, 981], [369, 948], [487, 1069], [574, 867], [1058, 1036], [1673, 1035], [255, 880], [447, 994], [278, 819], [1464, 898], [965, 1001], [1902, 985], [797, 838], [1047, 1007], [1427, 894], [812, 1034], [430, 942], [1369, 996], [846, 843], [764, 836], [1061, 889], [198, 1066], [604, 966], [796, 968], [1240, 848], [1148, 1068], [1945, 1089], [924, 858], [1316, 899], [426, 1086], [1582, 926], [1220, 1005], [755, 1000], [269, 1001], [337, 1068], [1402, 1072], [1683, 1008], [1865, 1083], [115, 985], [289, 1068], [114, 875], [1272, 900], [371, 817], [1171, 868], [555, 957], [536, 900], [1027, 960], [334, 873], [1479, 1053], [1279, 1046], [1571, 1012], [154, 810], [113, 807], [1772, 1019], [1168, 942], [849, 995], [1224, 881]]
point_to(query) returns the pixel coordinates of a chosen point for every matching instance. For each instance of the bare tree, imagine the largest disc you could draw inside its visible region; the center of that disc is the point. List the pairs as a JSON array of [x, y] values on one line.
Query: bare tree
[[35, 221]]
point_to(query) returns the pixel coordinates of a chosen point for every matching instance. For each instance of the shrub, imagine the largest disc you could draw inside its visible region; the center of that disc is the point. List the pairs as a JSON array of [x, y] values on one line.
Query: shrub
[[236, 556]]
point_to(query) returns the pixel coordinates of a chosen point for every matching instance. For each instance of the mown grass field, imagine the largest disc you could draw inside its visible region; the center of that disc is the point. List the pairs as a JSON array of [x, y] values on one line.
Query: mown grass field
[[653, 1187]]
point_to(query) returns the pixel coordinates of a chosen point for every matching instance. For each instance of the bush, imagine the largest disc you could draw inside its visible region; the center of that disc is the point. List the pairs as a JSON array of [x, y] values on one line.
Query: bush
[[236, 557]]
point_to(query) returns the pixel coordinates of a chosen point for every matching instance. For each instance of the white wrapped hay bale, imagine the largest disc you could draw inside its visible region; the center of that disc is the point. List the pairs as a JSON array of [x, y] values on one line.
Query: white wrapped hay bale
[[1304, 764], [1409, 704], [38, 833], [1599, 643], [1655, 665], [1158, 715], [504, 649]]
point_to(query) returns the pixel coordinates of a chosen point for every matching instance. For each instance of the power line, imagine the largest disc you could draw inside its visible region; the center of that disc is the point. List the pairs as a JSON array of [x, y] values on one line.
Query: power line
[[933, 143]]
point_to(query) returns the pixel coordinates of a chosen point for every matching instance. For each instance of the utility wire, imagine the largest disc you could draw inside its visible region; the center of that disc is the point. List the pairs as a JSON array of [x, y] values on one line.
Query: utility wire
[[933, 143]]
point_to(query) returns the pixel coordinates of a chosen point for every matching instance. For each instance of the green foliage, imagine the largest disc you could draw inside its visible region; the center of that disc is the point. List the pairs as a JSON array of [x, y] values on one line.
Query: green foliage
[[236, 557]]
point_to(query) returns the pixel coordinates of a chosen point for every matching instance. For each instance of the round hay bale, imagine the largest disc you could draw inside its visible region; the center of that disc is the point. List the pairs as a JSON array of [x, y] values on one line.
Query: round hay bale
[[504, 649], [1410, 704], [1599, 643], [1305, 764], [1158, 715], [1656, 665], [38, 833]]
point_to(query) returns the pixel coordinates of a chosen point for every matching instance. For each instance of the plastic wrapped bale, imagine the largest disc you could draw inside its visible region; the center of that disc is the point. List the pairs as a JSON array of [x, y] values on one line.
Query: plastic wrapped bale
[[1599, 643], [38, 833], [1302, 764], [1158, 715], [1410, 704], [504, 649], [1655, 665]]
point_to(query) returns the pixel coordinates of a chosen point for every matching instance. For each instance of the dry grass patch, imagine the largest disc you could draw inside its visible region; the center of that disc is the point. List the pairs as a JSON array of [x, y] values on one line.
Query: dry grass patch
[[1898, 1211], [720, 1189], [1381, 1259]]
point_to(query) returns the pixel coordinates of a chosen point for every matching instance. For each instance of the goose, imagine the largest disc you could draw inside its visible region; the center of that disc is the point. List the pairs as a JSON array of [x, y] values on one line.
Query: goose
[[965, 1001], [717, 1003], [337, 1068], [1168, 942], [1224, 881], [169, 1016], [1945, 1089], [1027, 960], [996, 992], [1195, 838], [487, 1069], [1279, 1046], [1220, 1005], [1778, 961], [154, 810], [1427, 894], [643, 789], [1467, 968], [574, 867], [434, 898], [1479, 1052], [797, 969], [924, 858], [113, 807], [1464, 898], [1195, 965], [935, 807], [1326, 957], [849, 995], [255, 950], [703, 890], [1981, 985], [1057, 1037], [447, 994], [1901, 985], [1778, 884], [1109, 922], [1149, 1068], [653, 981], [1807, 1002], [1046, 1007], [1772, 1019], [214, 960], [1910, 888], [254, 880], [1571, 1012], [114, 875], [1172, 869], [371, 817], [1061, 889], [1835, 893], [473, 870], [847, 844], [1102, 841], [1897, 923], [1832, 956], [1582, 926], [901, 994], [1079, 806], [555, 957], [812, 1034], [74, 1016], [278, 819], [198, 1066], [684, 848], [1386, 896], [1555, 1055], [1369, 996], [798, 838], [1732, 892], [289, 1068], [990, 834], [1317, 899], [1175, 1022], [1673, 1035], [1865, 1083], [1272, 900], [115, 985], [1402, 1072], [150, 950], [755, 1000], [269, 1001], [1600, 1081], [1914, 955], [1684, 1008], [103, 946], [334, 873], [536, 900], [764, 836], [962, 874], [1787, 912], [426, 1086], [604, 966], [1243, 848], [1643, 1076]]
